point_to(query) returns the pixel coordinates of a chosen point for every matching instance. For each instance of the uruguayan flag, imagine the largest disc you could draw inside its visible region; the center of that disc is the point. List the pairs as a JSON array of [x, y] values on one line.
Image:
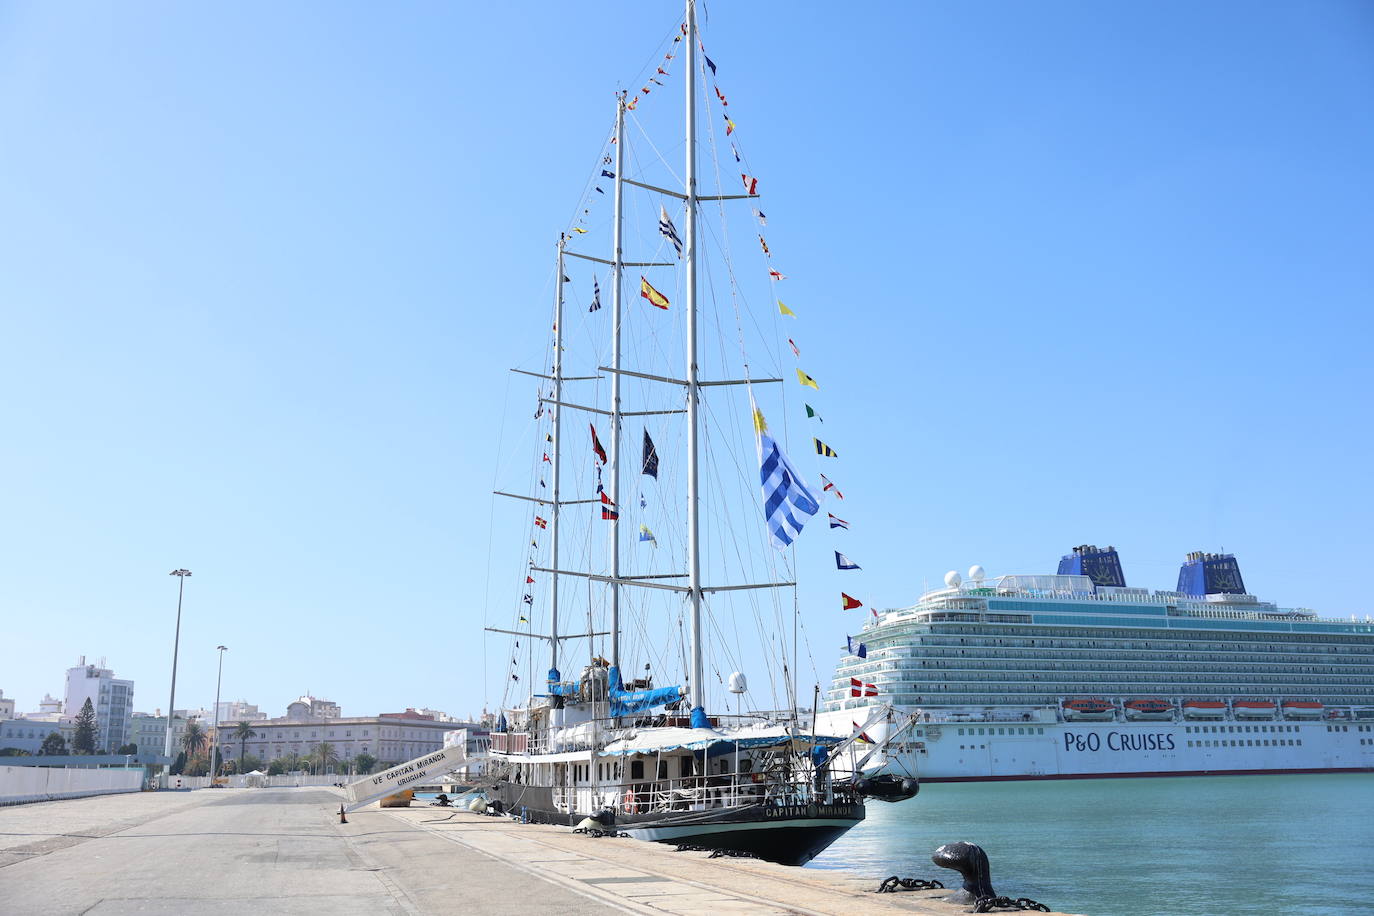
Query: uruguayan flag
[[787, 502], [665, 226]]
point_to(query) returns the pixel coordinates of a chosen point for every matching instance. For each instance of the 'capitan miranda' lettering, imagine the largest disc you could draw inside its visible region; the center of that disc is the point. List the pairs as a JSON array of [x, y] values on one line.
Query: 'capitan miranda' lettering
[[1119, 741], [409, 768]]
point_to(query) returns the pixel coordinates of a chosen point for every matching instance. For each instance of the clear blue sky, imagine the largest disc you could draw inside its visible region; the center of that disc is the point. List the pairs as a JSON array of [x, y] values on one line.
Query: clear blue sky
[[1071, 272]]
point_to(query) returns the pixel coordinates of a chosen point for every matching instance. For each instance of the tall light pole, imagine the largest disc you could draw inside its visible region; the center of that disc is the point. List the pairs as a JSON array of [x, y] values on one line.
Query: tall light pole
[[181, 575], [214, 738]]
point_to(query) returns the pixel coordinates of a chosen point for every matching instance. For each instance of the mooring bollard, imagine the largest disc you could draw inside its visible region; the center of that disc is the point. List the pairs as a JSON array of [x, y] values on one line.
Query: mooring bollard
[[342, 818], [970, 862]]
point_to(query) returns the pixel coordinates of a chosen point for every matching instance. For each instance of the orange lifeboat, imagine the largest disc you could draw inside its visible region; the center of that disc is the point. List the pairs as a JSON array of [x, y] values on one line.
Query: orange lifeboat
[[1302, 709], [1254, 709], [1091, 708], [1204, 709], [1148, 708]]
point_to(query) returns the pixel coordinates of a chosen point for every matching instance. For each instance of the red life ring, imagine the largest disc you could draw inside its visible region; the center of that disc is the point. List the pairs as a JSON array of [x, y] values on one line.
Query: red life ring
[[630, 805]]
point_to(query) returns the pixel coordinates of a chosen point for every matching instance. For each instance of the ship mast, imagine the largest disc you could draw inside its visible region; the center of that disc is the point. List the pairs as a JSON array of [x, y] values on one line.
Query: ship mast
[[616, 269], [698, 683], [557, 452]]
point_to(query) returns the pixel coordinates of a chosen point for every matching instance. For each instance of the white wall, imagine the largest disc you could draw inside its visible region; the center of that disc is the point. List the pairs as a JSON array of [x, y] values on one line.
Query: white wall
[[30, 784]]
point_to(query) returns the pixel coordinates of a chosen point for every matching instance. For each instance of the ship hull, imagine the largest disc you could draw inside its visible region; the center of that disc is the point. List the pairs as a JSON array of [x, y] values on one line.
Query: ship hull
[[972, 751], [788, 835]]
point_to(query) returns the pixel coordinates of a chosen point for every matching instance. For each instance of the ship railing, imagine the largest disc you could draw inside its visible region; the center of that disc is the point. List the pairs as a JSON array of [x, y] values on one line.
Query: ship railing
[[702, 793]]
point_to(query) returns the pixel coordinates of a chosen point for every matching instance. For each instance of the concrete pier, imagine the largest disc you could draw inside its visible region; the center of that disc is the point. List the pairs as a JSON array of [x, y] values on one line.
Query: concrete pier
[[283, 851]]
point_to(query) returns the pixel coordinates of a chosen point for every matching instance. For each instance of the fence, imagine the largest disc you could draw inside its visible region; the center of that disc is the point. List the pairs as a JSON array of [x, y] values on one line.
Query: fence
[[30, 784], [286, 780]]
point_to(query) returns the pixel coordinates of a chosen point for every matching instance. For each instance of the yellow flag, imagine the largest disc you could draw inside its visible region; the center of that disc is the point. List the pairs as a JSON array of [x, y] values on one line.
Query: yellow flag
[[807, 380], [784, 310], [656, 299], [576, 229]]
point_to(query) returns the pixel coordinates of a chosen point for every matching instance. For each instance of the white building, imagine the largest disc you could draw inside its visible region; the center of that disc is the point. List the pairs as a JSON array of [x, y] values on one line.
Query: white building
[[239, 711], [390, 737], [150, 731], [50, 710], [29, 735], [6, 707], [112, 699]]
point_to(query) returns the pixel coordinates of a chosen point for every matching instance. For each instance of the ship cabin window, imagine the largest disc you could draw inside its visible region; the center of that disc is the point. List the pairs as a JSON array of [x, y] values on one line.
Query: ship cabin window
[[663, 769], [636, 769], [686, 769]]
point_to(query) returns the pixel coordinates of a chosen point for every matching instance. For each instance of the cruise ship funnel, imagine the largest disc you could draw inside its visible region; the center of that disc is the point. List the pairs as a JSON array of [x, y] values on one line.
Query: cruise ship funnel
[[1103, 567], [1204, 574]]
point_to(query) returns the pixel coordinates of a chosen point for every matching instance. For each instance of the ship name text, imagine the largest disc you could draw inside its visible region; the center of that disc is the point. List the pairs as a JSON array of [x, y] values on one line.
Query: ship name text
[[1119, 741]]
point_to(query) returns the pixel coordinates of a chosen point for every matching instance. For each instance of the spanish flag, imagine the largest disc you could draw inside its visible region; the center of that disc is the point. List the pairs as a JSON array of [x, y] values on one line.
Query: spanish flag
[[850, 602], [656, 299], [807, 380], [823, 449]]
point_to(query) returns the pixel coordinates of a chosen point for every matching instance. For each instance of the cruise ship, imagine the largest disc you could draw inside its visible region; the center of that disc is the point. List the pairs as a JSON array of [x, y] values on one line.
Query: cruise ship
[[1076, 675]]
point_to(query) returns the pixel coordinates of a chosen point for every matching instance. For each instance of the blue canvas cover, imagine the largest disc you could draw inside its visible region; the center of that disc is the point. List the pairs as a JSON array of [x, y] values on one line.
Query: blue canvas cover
[[626, 702], [559, 688]]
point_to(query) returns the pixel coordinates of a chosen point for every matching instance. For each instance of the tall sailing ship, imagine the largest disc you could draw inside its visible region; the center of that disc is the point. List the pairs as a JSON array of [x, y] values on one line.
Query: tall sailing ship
[[612, 743], [1078, 675]]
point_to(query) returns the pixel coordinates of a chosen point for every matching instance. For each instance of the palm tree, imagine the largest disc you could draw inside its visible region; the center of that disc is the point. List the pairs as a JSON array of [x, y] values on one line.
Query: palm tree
[[243, 731], [325, 755], [194, 739]]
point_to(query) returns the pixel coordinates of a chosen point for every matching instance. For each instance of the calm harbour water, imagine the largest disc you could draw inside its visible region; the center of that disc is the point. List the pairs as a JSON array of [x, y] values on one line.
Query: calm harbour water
[[1210, 846]]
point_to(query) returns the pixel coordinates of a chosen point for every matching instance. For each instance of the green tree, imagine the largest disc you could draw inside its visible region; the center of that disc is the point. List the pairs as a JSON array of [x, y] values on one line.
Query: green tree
[[128, 749], [53, 745], [325, 756], [243, 731], [179, 764], [194, 739], [14, 752], [83, 742], [276, 767], [364, 764]]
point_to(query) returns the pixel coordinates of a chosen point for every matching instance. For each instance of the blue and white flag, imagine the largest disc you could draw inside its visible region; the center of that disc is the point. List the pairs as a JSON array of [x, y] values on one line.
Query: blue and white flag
[[787, 502], [857, 648], [838, 522], [666, 227], [596, 296], [646, 535], [843, 562]]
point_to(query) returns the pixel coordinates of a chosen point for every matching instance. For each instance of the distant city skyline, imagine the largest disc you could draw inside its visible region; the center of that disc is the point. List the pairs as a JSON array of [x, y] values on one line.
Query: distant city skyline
[[1067, 273]]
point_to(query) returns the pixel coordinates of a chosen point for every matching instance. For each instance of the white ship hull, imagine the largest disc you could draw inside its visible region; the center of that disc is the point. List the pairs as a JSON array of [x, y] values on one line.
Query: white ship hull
[[958, 751]]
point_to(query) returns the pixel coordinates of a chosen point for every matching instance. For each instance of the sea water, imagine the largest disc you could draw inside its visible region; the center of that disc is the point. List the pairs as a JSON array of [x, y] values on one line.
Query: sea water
[[1178, 846]]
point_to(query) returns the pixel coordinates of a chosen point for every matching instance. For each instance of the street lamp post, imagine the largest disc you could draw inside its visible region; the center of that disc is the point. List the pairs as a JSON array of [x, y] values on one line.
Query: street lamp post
[[181, 575], [214, 738]]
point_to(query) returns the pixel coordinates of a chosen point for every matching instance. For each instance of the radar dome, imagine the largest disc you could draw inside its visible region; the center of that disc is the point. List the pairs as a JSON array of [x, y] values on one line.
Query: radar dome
[[975, 573], [952, 579], [738, 683]]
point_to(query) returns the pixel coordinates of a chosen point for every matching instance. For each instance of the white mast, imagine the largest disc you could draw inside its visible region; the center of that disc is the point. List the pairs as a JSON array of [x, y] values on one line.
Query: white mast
[[616, 263], [557, 453], [698, 685]]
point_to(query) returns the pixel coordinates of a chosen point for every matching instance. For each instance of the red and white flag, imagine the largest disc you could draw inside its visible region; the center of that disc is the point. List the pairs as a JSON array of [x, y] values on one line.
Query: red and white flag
[[751, 185], [858, 688]]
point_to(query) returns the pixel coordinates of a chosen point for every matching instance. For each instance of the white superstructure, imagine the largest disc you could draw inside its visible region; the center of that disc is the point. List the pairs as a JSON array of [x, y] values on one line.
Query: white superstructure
[[1060, 676]]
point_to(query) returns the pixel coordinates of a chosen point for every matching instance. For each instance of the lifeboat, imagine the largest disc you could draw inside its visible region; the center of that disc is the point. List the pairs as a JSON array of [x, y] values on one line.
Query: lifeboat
[[1253, 709], [1148, 708], [1302, 709], [1204, 709], [1088, 708]]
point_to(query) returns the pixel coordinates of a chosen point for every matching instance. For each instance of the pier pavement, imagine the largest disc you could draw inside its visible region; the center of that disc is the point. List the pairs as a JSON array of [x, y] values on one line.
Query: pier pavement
[[222, 851]]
